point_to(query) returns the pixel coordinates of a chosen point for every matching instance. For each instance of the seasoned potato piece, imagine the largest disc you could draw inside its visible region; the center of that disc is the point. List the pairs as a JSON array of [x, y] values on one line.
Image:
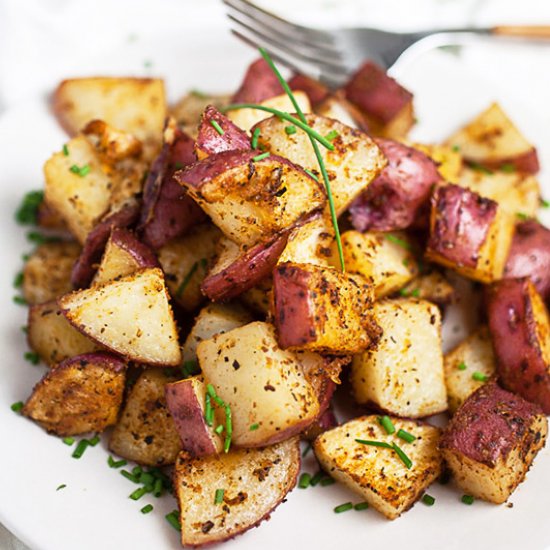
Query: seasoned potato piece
[[383, 259], [83, 394], [315, 90], [47, 273], [338, 108], [254, 482], [491, 441], [377, 473], [260, 297], [520, 329], [185, 263], [247, 368], [259, 83], [469, 233], [213, 319], [135, 105], [77, 187], [351, 166], [252, 200], [130, 316], [404, 374], [112, 144], [447, 160], [186, 403], [145, 432], [467, 365], [491, 139], [53, 337], [432, 286], [321, 309]]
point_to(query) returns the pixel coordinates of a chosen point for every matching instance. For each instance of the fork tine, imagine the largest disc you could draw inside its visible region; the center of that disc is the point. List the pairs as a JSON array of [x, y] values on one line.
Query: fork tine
[[331, 66]]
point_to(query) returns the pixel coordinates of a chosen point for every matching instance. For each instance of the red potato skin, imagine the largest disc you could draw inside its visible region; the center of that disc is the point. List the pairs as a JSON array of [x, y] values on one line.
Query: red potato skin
[[377, 94], [463, 219], [188, 416], [520, 364], [527, 163], [246, 272], [315, 91], [395, 199], [209, 141], [489, 424], [168, 211], [85, 267], [259, 84], [530, 256], [141, 253]]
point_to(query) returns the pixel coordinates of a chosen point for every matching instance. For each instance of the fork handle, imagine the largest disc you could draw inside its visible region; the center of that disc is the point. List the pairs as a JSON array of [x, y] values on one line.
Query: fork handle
[[522, 31]]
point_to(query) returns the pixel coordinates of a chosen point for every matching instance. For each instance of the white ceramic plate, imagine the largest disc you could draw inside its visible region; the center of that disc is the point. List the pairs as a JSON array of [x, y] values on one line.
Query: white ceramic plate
[[93, 511]]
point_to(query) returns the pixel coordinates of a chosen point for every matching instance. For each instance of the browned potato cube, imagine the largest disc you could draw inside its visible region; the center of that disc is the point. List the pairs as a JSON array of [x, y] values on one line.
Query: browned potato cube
[[491, 442], [83, 394], [378, 474], [447, 159], [432, 286], [404, 373]]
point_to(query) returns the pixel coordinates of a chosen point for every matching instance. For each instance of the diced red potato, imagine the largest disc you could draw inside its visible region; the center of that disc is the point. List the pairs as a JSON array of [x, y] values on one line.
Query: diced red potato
[[520, 329], [210, 140], [395, 199], [530, 256], [86, 265], [245, 270], [123, 255], [259, 83], [315, 91], [491, 442]]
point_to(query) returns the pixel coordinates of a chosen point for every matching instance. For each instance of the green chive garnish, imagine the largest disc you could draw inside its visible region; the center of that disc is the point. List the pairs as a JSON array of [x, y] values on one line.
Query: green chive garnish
[[404, 458], [28, 209], [467, 499], [80, 448], [522, 216], [262, 156], [374, 443], [219, 429], [116, 463], [68, 441], [400, 242], [173, 519], [217, 127], [18, 280], [326, 481], [187, 279], [16, 407], [317, 478], [544, 203], [332, 135], [508, 168], [228, 429], [480, 168], [65, 150], [178, 165], [307, 449], [158, 488], [415, 293], [62, 486], [304, 481], [290, 129], [129, 475], [94, 441], [218, 497], [32, 357], [361, 506], [462, 366], [137, 471], [456, 148], [146, 509], [428, 500], [189, 368], [406, 436], [19, 300], [138, 493], [80, 170], [254, 427], [343, 508], [480, 377], [37, 238], [25, 329], [387, 424], [310, 173], [208, 410], [255, 137]]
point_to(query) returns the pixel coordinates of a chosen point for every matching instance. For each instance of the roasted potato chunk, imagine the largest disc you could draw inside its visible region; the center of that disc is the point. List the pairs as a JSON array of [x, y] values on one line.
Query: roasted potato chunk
[[146, 432], [80, 395], [47, 273], [491, 442], [377, 473], [447, 160], [432, 286], [315, 90], [259, 83], [404, 373], [254, 482]]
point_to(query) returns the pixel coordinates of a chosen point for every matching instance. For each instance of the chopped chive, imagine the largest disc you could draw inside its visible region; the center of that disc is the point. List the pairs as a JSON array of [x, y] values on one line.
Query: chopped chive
[[137, 471], [387, 424], [361, 506], [138, 493], [147, 63], [462, 366], [467, 499], [428, 500], [343, 508], [218, 497], [80, 170], [116, 463], [199, 94], [62, 486], [68, 440], [255, 137], [304, 481], [219, 429], [456, 148], [261, 157], [19, 300], [332, 135], [480, 377], [415, 293], [146, 509], [522, 216], [32, 357], [217, 127], [480, 168], [208, 410], [228, 429], [326, 481], [307, 449], [187, 279], [254, 427], [25, 329], [173, 519], [158, 487], [18, 280], [94, 441], [401, 454], [310, 173], [400, 242], [37, 238], [317, 478], [507, 168], [129, 475], [291, 129], [403, 292], [147, 479], [80, 448], [374, 443], [189, 368], [16, 407], [406, 436], [178, 165], [544, 203], [27, 211], [65, 150]]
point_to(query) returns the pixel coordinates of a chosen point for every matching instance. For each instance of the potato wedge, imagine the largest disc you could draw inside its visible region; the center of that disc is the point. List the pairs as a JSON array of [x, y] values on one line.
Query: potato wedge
[[351, 167], [491, 442], [404, 373], [130, 316], [146, 432], [259, 83], [83, 394], [447, 160], [376, 473], [254, 483], [47, 272], [264, 385]]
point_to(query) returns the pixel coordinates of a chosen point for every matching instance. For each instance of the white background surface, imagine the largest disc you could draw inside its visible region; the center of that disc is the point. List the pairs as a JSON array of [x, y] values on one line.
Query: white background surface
[[43, 41]]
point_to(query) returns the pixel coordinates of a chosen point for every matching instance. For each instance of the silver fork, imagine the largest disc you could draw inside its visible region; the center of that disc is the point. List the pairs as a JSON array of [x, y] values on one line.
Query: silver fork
[[332, 55]]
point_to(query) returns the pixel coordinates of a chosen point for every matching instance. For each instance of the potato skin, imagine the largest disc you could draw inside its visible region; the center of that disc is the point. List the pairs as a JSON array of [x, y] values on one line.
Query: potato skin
[[315, 91], [80, 395], [259, 83], [520, 328]]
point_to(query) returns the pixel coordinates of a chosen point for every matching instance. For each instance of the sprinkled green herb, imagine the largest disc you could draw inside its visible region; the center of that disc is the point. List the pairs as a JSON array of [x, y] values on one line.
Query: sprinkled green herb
[[19, 300], [94, 441], [38, 238], [307, 449], [317, 478], [158, 487], [508, 168], [262, 156], [218, 497], [217, 127], [332, 135], [291, 129], [401, 454], [312, 175], [187, 279], [198, 93], [173, 519], [80, 170], [467, 499], [400, 242], [406, 436], [27, 212], [189, 368], [326, 481], [374, 443], [462, 366], [254, 427], [387, 424], [25, 329], [219, 429], [66, 150], [211, 395], [544, 203], [178, 165], [16, 407], [428, 500], [18, 280], [32, 357], [62, 486], [480, 377], [146, 509], [480, 168], [147, 63], [304, 481], [415, 293], [138, 493], [68, 441], [128, 475], [80, 448], [116, 463], [208, 410], [255, 137], [361, 506], [522, 216], [343, 508], [456, 148]]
